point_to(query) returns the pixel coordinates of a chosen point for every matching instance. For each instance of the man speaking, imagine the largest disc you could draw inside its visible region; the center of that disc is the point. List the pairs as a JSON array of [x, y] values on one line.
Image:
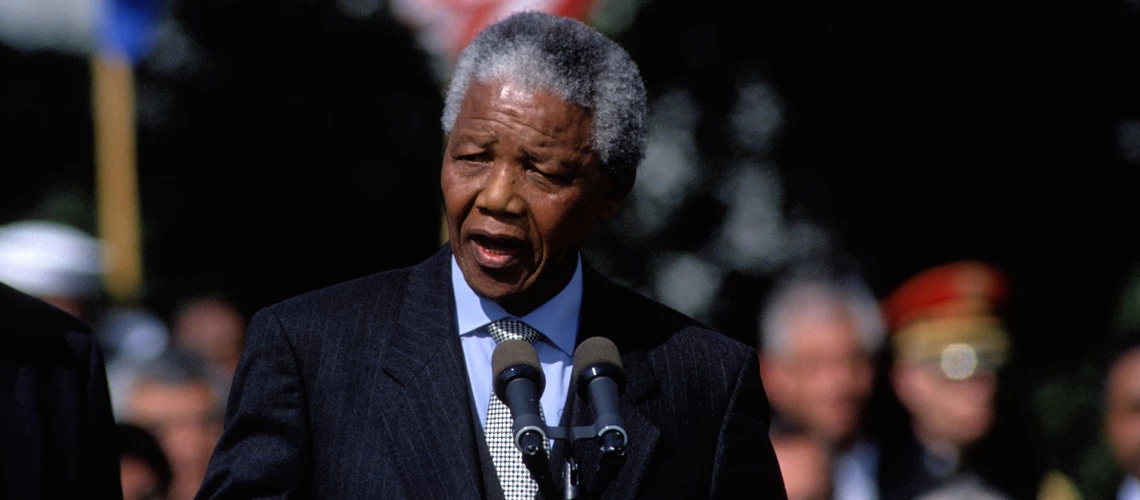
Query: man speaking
[[382, 387]]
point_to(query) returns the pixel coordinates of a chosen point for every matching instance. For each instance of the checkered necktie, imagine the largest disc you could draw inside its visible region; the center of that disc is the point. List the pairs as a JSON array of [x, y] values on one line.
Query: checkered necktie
[[513, 475]]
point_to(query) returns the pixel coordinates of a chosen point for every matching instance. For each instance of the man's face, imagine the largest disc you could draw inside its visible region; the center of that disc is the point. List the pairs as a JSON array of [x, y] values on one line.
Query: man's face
[[523, 188], [215, 329], [1122, 411], [187, 423], [943, 410], [822, 378]]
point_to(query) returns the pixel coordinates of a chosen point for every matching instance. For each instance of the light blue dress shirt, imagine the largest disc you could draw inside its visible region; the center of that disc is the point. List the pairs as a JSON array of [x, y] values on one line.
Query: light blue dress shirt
[[856, 472], [557, 320]]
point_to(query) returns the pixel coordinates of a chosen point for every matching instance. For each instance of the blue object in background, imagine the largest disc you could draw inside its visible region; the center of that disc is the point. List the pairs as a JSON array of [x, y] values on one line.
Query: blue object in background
[[129, 27]]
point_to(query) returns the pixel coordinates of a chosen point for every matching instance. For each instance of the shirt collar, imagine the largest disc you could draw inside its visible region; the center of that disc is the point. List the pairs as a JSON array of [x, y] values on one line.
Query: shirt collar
[[557, 319]]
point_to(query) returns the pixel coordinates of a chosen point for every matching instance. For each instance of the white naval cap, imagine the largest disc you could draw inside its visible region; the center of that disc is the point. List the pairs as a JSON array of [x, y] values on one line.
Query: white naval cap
[[45, 258]]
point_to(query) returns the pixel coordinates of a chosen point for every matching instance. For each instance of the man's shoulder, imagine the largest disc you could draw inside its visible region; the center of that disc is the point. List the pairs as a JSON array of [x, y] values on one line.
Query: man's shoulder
[[26, 316], [653, 325], [380, 289], [34, 331]]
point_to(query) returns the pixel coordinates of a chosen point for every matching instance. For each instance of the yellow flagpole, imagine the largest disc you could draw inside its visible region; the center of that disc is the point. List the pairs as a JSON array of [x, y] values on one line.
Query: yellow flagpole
[[113, 110]]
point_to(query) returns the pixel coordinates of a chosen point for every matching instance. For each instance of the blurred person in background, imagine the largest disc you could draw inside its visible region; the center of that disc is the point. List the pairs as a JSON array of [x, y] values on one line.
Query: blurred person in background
[[805, 463], [948, 344], [56, 426], [145, 471], [1122, 417], [178, 397], [818, 344], [213, 326], [55, 262]]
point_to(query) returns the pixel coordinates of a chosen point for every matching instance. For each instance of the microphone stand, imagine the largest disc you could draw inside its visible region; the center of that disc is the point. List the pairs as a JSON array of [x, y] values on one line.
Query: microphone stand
[[612, 442], [570, 479]]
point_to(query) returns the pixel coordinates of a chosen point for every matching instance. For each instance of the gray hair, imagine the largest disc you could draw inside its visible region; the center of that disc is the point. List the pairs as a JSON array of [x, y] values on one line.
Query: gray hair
[[174, 366], [847, 300], [570, 59]]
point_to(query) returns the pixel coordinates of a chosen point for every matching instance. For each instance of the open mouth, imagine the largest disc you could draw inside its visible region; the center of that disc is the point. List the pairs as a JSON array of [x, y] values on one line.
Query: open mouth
[[496, 252]]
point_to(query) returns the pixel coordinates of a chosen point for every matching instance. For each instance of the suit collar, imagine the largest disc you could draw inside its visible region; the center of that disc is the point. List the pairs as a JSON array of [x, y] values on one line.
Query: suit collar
[[428, 417], [426, 319]]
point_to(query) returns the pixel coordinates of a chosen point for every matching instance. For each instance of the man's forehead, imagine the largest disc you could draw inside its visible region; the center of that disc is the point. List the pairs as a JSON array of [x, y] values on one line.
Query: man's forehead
[[518, 90], [545, 118], [514, 92], [823, 329], [816, 346], [1126, 369]]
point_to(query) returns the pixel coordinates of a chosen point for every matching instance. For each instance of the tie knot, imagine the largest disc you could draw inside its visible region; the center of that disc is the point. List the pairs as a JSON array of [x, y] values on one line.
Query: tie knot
[[512, 329]]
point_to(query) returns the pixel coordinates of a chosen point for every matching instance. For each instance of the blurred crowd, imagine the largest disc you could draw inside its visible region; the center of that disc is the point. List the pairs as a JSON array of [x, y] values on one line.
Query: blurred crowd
[[937, 347], [908, 389], [168, 375], [891, 397]]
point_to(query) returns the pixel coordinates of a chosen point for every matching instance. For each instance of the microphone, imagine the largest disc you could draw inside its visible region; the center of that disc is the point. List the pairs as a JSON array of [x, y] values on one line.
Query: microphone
[[519, 383], [600, 379]]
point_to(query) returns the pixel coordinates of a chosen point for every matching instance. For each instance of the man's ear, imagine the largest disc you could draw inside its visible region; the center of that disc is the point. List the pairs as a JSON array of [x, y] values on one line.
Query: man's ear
[[620, 185]]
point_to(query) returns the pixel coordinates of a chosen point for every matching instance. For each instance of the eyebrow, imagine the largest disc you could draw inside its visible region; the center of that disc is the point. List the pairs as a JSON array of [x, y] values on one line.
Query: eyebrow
[[479, 140]]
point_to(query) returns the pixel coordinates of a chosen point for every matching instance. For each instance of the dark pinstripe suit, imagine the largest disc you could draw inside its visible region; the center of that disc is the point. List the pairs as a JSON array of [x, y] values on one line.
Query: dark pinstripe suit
[[57, 433], [360, 391]]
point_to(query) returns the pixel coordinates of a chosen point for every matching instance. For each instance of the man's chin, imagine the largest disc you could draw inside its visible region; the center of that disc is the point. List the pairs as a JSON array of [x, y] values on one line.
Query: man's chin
[[494, 290], [495, 284], [840, 436]]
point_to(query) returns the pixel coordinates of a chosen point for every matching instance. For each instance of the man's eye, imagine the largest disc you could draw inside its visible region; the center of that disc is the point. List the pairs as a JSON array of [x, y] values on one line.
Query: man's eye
[[547, 174], [556, 178], [481, 157]]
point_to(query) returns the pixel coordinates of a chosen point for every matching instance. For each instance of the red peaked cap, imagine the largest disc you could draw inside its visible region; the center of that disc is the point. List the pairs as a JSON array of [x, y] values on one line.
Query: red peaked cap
[[955, 289]]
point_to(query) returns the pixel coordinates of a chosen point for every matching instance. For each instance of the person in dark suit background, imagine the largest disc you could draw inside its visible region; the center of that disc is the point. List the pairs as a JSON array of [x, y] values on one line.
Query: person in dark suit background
[[380, 386], [57, 432]]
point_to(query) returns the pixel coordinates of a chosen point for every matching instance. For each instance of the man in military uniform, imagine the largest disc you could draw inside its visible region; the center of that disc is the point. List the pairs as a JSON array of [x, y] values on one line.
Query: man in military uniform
[[948, 343]]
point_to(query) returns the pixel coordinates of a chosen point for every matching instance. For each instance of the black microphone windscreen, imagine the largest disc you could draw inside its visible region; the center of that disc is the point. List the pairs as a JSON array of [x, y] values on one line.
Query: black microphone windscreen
[[513, 352], [595, 350]]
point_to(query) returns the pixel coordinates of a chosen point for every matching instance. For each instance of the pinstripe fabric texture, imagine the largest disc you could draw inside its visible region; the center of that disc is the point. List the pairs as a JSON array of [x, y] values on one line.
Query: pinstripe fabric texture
[[360, 390], [514, 477]]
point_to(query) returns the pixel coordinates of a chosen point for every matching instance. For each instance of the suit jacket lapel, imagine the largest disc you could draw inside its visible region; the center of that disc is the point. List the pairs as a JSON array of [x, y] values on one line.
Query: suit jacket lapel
[[602, 316], [427, 399]]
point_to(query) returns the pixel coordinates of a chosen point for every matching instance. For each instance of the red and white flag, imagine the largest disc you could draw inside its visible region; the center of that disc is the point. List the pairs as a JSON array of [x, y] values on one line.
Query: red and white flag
[[447, 26]]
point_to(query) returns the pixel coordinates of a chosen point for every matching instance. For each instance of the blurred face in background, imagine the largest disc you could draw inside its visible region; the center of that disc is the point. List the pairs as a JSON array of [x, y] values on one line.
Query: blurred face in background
[[821, 377], [187, 421], [215, 329], [139, 480], [946, 412], [1122, 411]]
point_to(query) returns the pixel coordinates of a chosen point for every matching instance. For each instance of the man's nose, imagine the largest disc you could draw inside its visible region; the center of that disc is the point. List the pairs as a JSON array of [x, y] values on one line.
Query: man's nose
[[500, 193]]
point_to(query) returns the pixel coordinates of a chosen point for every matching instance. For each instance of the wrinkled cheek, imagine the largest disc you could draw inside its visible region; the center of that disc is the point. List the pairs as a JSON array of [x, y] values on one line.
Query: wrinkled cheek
[[456, 208]]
